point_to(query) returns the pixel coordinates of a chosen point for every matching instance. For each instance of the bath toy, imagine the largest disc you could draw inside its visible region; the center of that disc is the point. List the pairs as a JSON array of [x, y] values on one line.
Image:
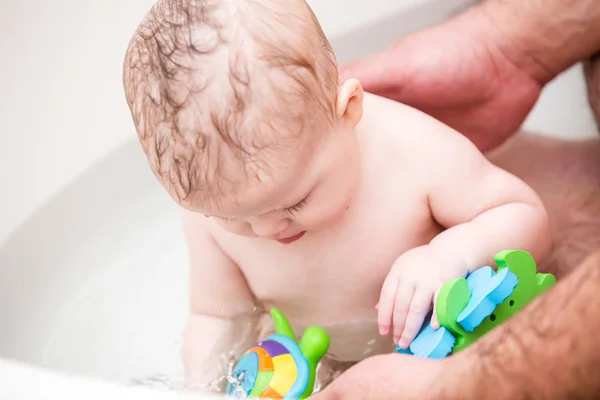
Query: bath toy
[[279, 367], [468, 308]]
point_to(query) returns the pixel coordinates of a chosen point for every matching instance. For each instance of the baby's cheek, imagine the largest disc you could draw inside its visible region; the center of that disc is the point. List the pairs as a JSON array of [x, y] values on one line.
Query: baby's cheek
[[326, 214], [331, 205]]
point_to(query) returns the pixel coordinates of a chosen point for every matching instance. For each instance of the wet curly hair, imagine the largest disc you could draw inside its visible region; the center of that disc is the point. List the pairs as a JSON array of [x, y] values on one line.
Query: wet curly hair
[[215, 86]]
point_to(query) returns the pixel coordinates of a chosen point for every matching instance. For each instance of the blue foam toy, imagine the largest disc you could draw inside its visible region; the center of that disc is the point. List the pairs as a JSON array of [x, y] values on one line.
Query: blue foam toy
[[469, 308], [431, 343], [488, 289], [249, 367]]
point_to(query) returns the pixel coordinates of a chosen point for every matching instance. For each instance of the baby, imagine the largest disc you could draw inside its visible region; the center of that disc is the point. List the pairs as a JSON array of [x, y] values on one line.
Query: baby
[[304, 193]]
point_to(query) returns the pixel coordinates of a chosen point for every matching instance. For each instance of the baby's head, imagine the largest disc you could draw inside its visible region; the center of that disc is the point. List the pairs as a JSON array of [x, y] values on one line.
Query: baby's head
[[239, 111]]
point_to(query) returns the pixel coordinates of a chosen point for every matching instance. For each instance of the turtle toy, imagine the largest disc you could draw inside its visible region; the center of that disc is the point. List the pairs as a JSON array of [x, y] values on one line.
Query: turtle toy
[[279, 367]]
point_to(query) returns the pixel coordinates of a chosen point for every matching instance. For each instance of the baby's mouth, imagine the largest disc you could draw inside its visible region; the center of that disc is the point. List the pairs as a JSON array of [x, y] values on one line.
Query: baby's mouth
[[291, 239]]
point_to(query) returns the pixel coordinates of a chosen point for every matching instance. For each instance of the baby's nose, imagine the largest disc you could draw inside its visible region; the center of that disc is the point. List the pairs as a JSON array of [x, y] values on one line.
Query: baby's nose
[[269, 227]]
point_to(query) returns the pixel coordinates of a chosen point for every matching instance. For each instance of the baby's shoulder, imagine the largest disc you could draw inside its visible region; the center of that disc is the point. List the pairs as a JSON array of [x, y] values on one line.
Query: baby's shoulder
[[396, 127], [401, 138]]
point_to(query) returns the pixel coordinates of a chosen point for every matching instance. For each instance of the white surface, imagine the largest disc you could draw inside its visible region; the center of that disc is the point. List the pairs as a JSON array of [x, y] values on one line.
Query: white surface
[[563, 109], [95, 284], [94, 273], [20, 382]]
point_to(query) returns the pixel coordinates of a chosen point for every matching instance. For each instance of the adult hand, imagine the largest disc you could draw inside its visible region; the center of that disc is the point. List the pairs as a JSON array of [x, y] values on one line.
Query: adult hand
[[544, 352], [392, 376], [591, 69], [457, 73]]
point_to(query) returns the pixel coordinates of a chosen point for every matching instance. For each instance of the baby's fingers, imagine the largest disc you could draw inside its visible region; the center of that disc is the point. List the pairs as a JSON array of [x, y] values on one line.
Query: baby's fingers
[[403, 298], [435, 323], [386, 304], [419, 307]]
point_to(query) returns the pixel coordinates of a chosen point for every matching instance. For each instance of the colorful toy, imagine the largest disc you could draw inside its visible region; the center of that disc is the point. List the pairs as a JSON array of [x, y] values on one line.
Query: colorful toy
[[279, 367], [469, 308]]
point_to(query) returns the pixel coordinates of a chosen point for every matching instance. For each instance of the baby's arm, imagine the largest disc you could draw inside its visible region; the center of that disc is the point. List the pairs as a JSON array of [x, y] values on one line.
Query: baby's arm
[[484, 210], [219, 293]]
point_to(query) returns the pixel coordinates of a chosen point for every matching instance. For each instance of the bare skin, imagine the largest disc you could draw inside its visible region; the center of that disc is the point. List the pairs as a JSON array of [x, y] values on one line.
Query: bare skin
[[548, 351], [566, 175], [482, 71], [552, 361], [371, 210], [412, 202], [592, 78]]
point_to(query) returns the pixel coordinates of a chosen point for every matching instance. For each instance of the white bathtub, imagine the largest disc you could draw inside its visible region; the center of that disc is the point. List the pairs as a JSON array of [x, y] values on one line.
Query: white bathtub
[[93, 291]]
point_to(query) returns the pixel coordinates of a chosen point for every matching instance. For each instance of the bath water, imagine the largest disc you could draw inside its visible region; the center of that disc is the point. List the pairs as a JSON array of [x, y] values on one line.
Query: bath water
[[350, 342]]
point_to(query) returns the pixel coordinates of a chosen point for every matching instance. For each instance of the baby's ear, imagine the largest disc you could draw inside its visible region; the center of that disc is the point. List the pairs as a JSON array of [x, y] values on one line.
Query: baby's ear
[[349, 105]]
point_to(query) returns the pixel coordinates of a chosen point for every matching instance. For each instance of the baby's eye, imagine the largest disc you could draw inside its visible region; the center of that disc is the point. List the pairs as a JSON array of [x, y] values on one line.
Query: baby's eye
[[291, 211]]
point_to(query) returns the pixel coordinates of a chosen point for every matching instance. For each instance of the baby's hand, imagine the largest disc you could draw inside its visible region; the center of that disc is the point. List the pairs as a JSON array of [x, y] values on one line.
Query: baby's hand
[[409, 292]]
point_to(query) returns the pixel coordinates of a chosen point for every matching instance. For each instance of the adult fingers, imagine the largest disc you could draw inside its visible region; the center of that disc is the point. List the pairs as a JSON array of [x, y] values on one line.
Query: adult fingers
[[377, 73]]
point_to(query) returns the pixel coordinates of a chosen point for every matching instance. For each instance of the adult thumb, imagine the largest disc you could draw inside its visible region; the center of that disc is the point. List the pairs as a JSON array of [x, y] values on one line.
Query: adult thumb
[[377, 73], [329, 393]]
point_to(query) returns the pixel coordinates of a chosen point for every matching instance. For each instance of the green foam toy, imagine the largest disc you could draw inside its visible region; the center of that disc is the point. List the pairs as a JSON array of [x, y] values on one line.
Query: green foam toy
[[454, 296], [468, 308]]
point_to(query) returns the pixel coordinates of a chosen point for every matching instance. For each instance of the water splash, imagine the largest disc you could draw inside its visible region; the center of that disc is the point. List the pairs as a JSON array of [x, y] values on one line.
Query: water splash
[[224, 375], [351, 341], [327, 371], [160, 382]]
